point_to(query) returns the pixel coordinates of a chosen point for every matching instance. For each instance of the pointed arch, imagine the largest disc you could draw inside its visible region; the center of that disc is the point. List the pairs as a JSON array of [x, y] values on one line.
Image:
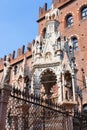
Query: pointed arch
[[26, 79], [48, 79], [20, 78]]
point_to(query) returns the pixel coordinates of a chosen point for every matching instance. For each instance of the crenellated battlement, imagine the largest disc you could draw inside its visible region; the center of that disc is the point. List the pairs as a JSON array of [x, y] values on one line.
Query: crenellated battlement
[[55, 1], [42, 10], [18, 55], [60, 3]]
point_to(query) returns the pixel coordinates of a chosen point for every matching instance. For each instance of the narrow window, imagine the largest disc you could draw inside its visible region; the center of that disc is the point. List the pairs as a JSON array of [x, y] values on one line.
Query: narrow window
[[75, 43], [69, 21], [84, 13], [15, 70], [44, 32]]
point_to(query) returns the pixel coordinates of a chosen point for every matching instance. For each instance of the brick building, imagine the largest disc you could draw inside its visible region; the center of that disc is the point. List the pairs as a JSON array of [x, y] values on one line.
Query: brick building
[[29, 69], [72, 24]]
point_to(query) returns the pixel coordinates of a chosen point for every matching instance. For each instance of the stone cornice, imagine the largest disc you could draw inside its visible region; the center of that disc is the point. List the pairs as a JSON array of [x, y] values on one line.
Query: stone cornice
[[46, 65]]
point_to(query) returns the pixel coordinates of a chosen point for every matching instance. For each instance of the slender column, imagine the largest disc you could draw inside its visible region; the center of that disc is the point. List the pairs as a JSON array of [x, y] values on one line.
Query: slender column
[[73, 87], [63, 86], [59, 89]]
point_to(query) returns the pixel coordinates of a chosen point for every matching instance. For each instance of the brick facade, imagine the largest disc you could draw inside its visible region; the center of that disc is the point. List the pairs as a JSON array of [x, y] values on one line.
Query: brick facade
[[21, 63], [78, 29]]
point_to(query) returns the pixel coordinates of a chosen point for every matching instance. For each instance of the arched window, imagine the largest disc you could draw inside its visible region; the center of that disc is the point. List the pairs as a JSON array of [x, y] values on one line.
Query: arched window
[[69, 20], [75, 43], [20, 79], [84, 12], [85, 108], [44, 32]]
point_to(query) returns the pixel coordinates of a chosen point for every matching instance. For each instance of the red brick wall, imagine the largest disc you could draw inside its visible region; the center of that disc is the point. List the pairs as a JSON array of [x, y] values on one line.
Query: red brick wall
[[78, 29]]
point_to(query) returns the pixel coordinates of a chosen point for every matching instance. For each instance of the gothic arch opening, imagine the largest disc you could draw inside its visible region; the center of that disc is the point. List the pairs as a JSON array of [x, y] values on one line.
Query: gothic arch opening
[[48, 82], [20, 78], [68, 79]]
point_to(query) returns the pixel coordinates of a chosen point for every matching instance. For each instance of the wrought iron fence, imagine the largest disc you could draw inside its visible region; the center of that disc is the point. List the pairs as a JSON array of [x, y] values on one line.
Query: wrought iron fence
[[31, 112], [80, 121]]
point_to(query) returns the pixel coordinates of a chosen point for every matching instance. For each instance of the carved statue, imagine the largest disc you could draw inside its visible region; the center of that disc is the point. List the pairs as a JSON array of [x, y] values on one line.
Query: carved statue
[[6, 71]]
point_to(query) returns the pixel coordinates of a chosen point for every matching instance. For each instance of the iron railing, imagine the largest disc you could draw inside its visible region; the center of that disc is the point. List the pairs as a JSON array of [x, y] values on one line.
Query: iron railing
[[32, 112]]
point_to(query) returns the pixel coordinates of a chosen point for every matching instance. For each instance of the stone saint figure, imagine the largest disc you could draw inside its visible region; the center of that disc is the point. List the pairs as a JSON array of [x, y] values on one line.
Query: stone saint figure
[[6, 71]]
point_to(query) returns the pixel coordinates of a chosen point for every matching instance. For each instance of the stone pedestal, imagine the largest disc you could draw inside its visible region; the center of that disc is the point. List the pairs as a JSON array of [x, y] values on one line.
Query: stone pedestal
[[5, 91]]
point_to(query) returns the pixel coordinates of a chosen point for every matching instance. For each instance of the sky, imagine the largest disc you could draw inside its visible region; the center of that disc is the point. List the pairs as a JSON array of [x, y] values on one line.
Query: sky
[[18, 24]]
